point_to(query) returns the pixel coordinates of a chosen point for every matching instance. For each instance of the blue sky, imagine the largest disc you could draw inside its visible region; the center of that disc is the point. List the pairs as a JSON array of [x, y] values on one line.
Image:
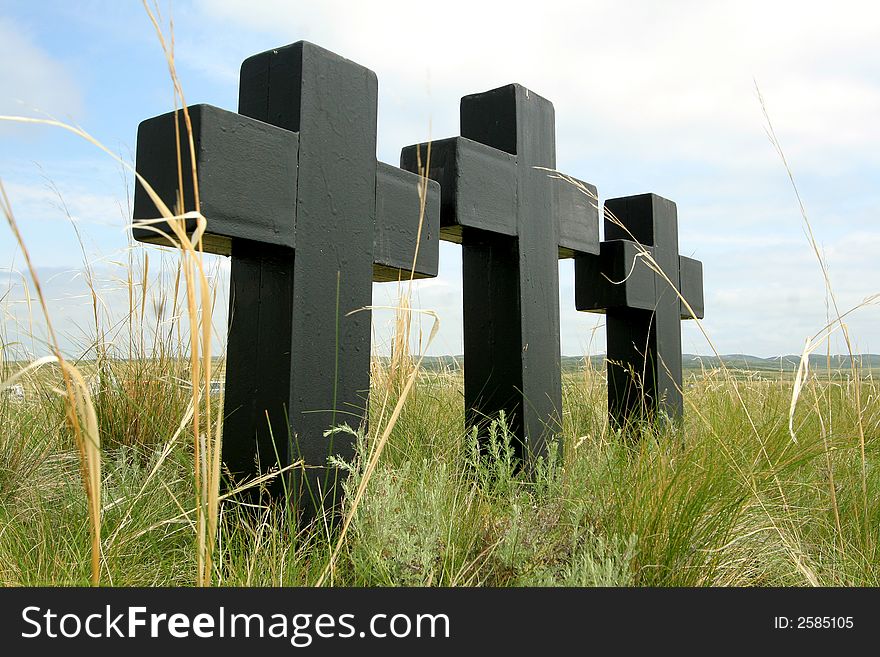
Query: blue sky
[[649, 97]]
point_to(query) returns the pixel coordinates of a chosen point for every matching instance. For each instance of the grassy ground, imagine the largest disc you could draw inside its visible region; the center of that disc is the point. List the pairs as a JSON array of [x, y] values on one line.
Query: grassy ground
[[730, 499]]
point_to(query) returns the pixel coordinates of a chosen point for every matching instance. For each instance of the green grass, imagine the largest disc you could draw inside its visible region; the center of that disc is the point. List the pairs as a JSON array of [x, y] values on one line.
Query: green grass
[[727, 499]]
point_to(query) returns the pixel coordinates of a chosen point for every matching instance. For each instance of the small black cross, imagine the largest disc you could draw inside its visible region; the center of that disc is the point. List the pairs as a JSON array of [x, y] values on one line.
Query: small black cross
[[643, 312], [513, 220], [292, 190]]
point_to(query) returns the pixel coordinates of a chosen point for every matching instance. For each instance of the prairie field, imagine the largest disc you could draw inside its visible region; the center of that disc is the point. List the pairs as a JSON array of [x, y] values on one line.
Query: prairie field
[[734, 496]]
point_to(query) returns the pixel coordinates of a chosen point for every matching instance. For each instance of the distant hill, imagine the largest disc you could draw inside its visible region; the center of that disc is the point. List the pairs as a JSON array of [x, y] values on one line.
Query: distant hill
[[786, 363]]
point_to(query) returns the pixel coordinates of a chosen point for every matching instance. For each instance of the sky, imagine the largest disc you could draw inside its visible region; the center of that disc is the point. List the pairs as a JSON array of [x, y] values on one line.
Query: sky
[[649, 97]]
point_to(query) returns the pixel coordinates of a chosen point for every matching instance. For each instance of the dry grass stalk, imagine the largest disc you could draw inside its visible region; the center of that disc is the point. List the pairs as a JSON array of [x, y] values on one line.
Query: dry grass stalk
[[206, 443], [830, 295], [80, 411]]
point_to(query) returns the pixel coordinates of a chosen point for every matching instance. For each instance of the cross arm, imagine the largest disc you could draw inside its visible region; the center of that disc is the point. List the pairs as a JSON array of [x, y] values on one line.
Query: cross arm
[[618, 277], [477, 185], [398, 215], [246, 170], [576, 208], [691, 286]]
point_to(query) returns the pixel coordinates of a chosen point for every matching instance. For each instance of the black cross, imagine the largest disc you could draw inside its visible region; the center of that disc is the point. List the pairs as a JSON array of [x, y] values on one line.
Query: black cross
[[643, 312], [513, 220], [292, 190]]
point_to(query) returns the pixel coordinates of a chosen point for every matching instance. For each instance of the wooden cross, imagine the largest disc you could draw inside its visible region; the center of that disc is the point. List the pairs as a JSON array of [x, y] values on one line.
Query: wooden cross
[[514, 221], [292, 190], [643, 311]]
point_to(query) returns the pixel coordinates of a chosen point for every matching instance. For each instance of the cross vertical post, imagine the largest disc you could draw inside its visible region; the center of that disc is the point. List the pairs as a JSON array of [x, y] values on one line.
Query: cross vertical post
[[332, 104]]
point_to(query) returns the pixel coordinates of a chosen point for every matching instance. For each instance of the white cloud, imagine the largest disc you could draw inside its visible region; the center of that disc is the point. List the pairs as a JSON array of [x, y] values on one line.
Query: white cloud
[[666, 80], [32, 80], [43, 202]]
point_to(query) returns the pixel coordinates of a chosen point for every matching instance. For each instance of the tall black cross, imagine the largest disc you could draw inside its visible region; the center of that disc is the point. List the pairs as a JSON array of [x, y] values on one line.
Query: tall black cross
[[292, 190], [513, 220], [643, 312]]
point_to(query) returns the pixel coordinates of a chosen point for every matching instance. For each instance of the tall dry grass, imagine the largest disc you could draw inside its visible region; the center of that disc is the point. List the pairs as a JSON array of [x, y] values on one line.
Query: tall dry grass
[[198, 296], [79, 410]]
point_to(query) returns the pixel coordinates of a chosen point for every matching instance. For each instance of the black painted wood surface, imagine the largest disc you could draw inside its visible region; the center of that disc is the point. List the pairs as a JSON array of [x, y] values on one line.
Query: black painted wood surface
[[292, 190]]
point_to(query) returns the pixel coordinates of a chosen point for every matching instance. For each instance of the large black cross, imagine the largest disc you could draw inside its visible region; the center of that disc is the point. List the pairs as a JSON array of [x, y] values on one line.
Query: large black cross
[[292, 190], [513, 220], [642, 311]]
